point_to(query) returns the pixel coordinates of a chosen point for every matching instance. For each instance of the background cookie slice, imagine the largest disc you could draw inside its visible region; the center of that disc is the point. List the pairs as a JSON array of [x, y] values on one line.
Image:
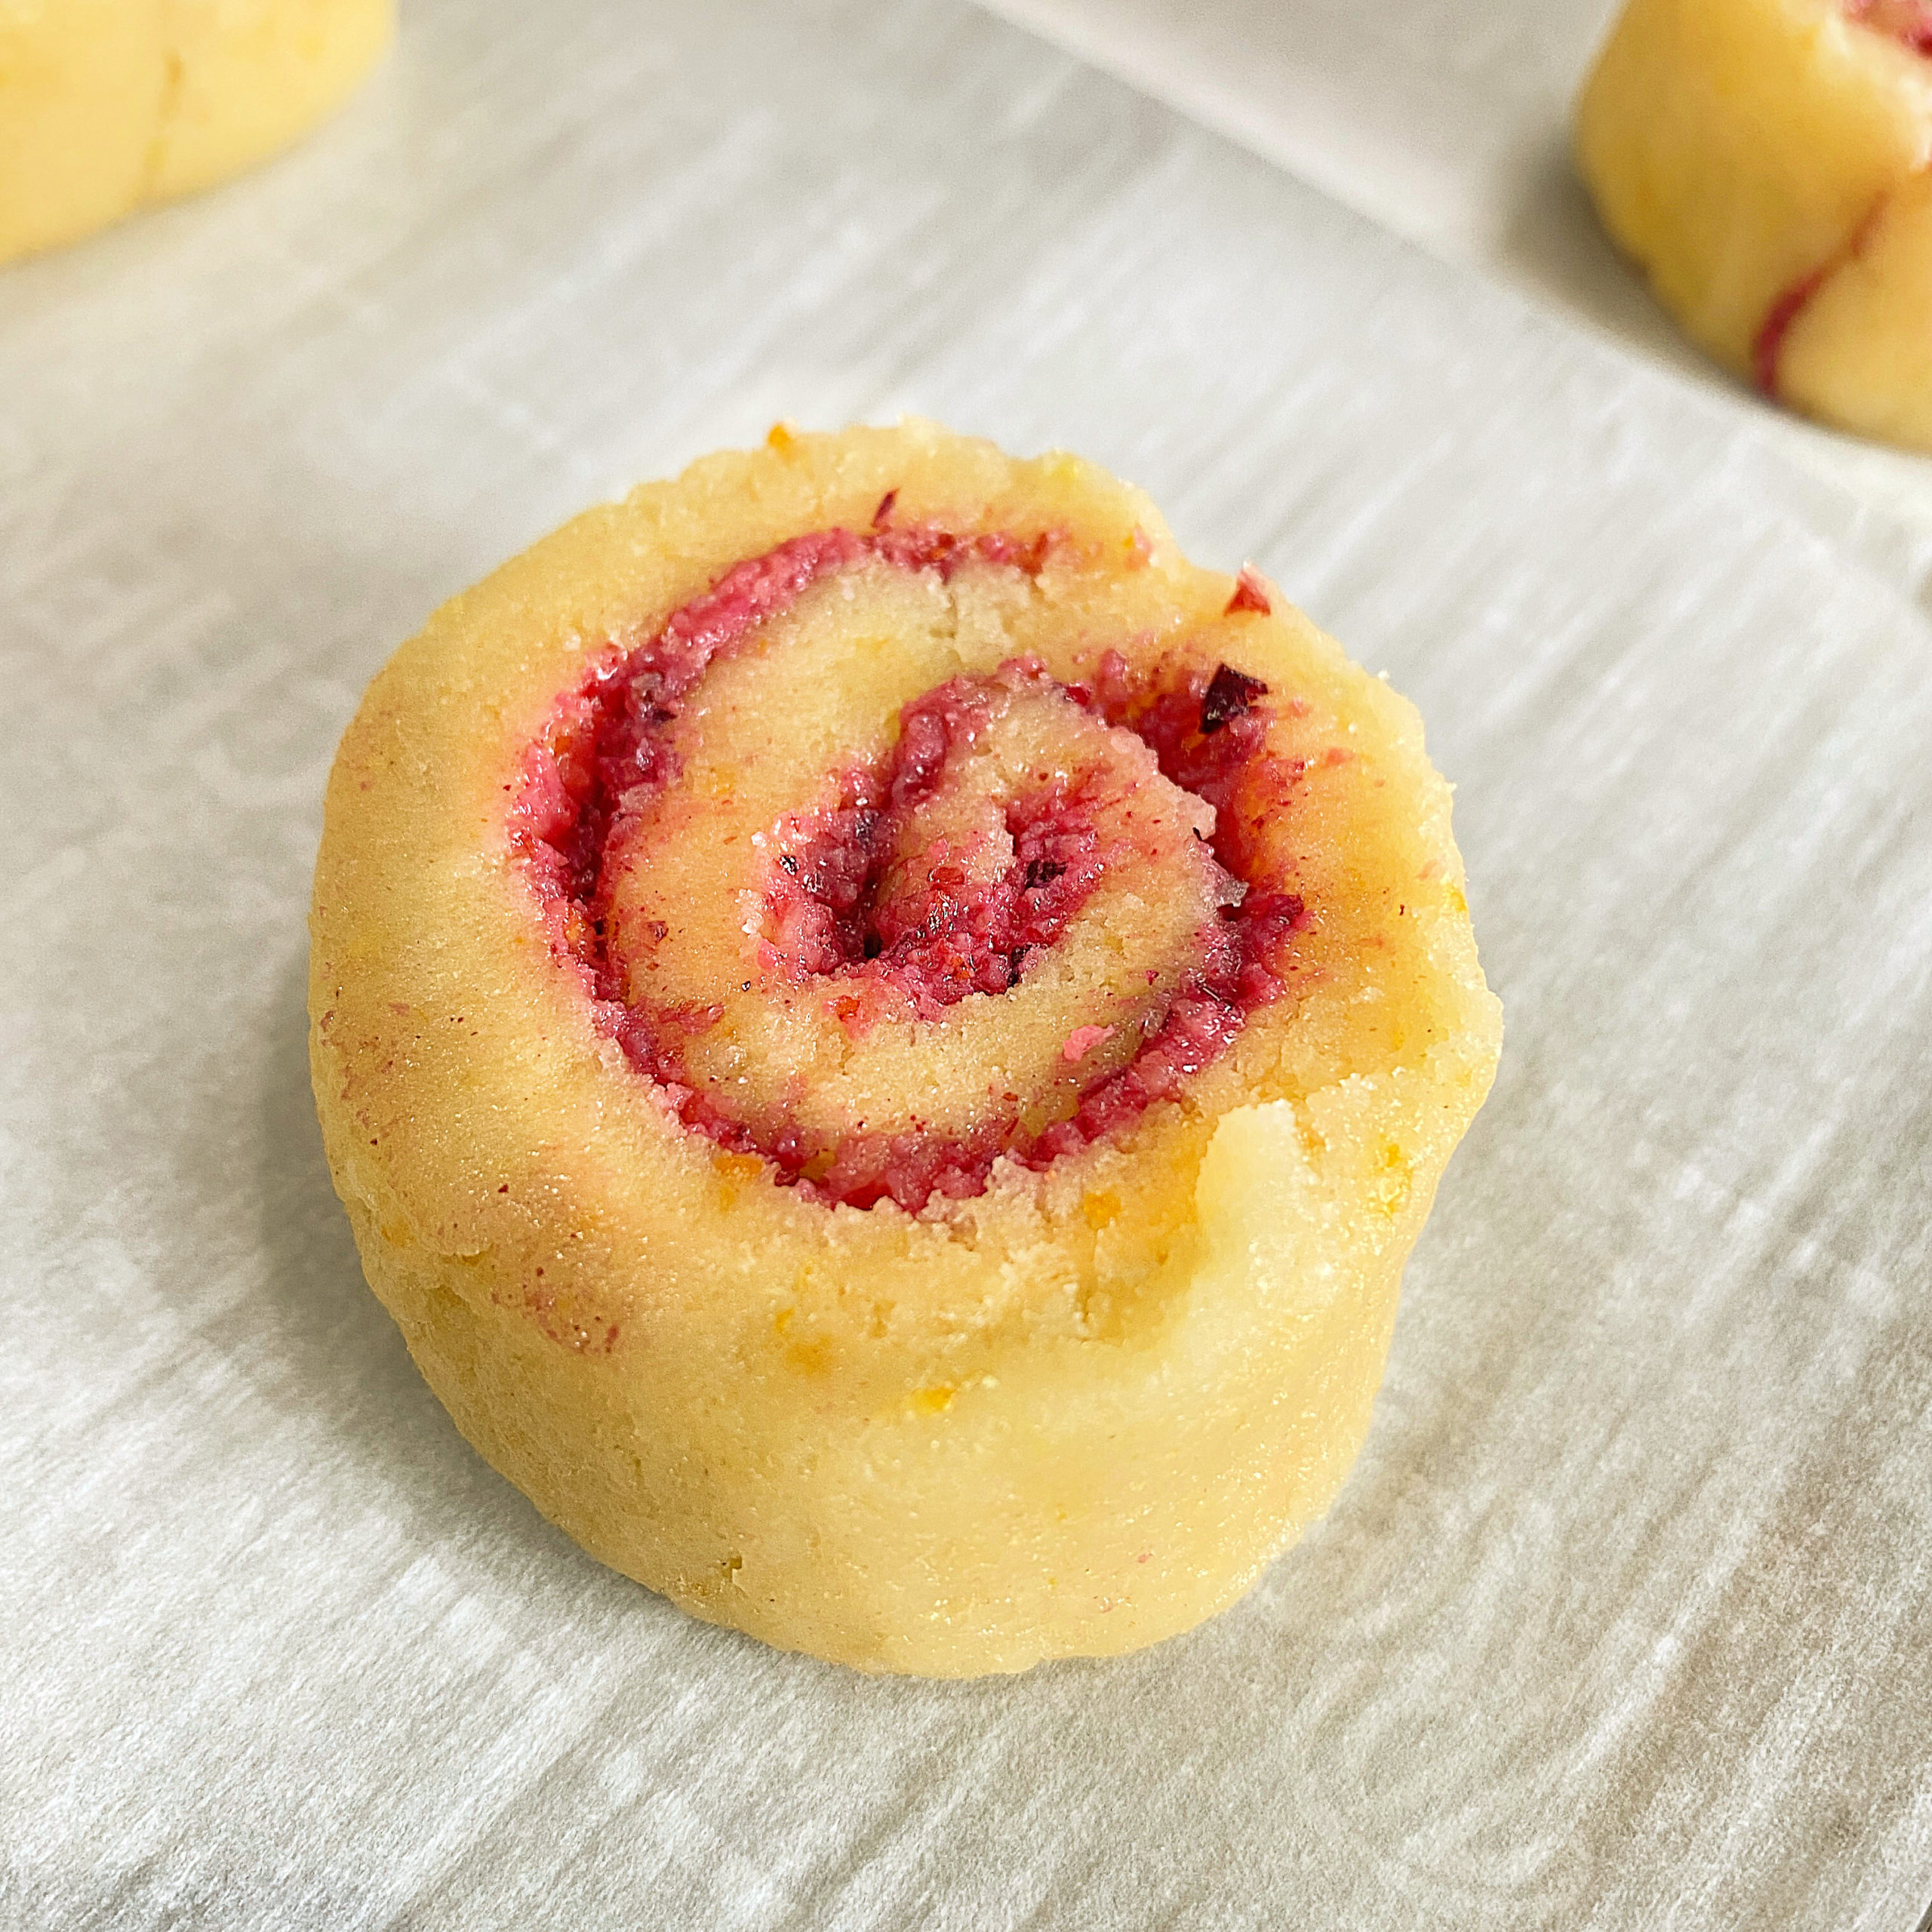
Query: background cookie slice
[[108, 106], [1764, 161]]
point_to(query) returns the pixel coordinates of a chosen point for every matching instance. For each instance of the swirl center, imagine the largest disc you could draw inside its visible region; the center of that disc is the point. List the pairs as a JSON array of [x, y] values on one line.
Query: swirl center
[[883, 922]]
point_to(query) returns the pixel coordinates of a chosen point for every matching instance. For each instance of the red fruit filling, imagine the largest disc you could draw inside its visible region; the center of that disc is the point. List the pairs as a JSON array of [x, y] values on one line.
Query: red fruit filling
[[842, 905], [1908, 21], [940, 927], [1769, 344], [1251, 594]]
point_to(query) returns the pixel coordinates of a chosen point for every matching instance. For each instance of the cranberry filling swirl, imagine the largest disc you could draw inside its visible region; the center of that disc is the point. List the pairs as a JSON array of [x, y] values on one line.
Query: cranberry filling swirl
[[1018, 914]]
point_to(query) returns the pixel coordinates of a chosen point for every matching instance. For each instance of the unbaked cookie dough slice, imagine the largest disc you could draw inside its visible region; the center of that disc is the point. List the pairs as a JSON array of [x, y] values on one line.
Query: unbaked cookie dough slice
[[886, 1039], [1765, 161], [107, 106]]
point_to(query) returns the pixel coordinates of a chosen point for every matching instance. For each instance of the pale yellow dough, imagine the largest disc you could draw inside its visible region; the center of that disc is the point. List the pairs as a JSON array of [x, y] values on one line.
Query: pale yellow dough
[[1765, 162], [107, 106], [1072, 1415]]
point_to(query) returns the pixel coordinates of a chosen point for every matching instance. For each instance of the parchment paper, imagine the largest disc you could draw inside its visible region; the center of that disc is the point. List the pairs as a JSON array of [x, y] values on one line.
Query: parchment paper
[[1623, 1618]]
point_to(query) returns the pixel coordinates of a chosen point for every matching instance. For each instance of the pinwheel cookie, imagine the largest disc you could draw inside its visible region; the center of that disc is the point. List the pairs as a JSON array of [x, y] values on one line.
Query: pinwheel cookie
[[1766, 161], [886, 1040], [107, 106]]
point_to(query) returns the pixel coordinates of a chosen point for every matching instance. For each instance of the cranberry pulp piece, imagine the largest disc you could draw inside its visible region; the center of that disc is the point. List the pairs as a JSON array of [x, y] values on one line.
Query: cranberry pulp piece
[[608, 741], [1229, 695], [1081, 1041], [1251, 594]]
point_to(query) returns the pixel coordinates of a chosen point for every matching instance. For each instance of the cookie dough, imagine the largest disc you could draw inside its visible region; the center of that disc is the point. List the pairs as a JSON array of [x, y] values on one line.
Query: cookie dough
[[108, 106], [1765, 162], [886, 1039]]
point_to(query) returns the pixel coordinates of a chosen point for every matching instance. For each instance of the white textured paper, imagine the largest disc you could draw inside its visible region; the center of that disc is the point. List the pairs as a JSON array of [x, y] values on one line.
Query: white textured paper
[[1623, 1620]]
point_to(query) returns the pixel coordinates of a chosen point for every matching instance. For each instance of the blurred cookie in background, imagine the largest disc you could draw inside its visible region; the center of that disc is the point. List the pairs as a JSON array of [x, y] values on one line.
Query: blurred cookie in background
[[109, 105], [1765, 161]]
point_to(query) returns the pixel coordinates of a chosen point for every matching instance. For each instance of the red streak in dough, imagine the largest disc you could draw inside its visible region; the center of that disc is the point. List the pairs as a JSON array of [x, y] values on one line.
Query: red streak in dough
[[608, 743], [1769, 344], [1768, 348]]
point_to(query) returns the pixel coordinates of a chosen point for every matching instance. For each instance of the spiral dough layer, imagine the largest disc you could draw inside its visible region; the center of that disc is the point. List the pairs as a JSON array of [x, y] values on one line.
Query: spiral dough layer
[[1014, 824], [886, 1039]]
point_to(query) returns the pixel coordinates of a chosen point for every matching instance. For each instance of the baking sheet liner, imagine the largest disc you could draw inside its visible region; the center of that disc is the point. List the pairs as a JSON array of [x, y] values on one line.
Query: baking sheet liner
[[1622, 1621]]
